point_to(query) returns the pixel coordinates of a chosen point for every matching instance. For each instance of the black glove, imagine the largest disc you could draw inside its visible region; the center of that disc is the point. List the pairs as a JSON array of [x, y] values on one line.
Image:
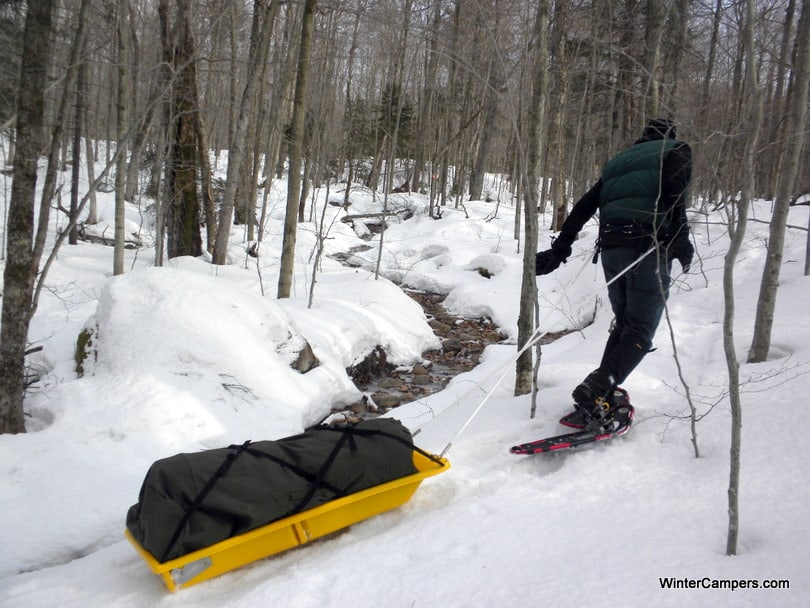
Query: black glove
[[681, 249], [548, 261]]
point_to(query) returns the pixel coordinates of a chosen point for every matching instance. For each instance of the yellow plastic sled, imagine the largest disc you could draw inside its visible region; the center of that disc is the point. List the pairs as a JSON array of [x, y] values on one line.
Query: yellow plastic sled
[[291, 531]]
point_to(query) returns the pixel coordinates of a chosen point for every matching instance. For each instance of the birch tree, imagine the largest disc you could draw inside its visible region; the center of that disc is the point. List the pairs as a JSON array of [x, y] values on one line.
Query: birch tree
[[737, 225]]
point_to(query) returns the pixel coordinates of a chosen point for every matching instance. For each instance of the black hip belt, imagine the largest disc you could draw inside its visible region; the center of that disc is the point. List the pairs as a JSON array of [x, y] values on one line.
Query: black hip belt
[[633, 234]]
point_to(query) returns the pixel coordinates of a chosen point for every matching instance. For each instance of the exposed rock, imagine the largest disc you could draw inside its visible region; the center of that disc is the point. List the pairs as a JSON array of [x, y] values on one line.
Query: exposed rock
[[386, 400], [390, 382], [374, 364], [306, 360], [452, 345], [419, 370]]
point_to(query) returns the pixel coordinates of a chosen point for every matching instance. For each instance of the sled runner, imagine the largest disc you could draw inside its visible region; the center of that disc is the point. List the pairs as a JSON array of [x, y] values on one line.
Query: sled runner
[[300, 527]]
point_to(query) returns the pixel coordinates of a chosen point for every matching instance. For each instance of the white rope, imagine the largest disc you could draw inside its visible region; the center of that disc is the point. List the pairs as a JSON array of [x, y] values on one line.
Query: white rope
[[533, 339]]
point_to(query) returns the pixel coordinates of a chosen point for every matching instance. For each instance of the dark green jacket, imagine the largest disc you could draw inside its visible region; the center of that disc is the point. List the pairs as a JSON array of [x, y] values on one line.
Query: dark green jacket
[[629, 188], [631, 184]]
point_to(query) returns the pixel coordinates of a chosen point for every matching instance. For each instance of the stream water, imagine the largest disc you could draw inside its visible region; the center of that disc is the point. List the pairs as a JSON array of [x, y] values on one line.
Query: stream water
[[387, 386]]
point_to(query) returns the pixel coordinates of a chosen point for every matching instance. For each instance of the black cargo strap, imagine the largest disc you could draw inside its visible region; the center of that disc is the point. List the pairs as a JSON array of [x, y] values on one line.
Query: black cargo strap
[[319, 478], [220, 472], [386, 434], [310, 477]]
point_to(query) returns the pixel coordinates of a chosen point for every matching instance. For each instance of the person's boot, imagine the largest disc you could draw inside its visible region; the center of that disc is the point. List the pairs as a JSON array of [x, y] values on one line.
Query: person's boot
[[579, 418], [594, 390], [592, 396]]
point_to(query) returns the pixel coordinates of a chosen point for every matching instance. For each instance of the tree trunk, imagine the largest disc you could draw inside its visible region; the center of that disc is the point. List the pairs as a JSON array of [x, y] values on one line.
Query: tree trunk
[[161, 166], [268, 9], [484, 144], [678, 43], [92, 209], [777, 127], [56, 139], [528, 290], [19, 273], [653, 30], [122, 125], [807, 251], [348, 113], [204, 165], [73, 239], [427, 105], [491, 103], [557, 123], [134, 163], [737, 233], [797, 120], [183, 217], [297, 139]]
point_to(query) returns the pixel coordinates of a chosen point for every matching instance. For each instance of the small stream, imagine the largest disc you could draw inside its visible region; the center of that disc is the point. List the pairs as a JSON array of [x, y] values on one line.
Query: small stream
[[386, 386]]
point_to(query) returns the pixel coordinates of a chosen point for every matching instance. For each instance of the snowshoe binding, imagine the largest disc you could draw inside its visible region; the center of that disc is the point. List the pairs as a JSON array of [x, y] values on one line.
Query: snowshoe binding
[[580, 417]]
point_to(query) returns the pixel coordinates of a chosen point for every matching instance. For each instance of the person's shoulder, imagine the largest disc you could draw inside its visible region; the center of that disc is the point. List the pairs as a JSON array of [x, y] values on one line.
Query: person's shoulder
[[681, 145], [682, 148]]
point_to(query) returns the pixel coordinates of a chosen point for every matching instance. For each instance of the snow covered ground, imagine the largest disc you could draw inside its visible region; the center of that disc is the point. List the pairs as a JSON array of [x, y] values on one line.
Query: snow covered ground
[[191, 356]]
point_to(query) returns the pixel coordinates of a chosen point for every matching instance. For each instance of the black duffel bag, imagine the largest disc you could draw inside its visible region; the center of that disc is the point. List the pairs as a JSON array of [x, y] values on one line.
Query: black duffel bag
[[191, 501]]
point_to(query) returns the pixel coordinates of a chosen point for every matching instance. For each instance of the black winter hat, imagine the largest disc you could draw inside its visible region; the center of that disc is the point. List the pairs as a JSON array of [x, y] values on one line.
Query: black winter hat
[[658, 128]]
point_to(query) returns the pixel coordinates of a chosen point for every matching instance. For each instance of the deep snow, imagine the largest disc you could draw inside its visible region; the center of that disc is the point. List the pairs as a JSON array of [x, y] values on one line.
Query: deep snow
[[192, 356]]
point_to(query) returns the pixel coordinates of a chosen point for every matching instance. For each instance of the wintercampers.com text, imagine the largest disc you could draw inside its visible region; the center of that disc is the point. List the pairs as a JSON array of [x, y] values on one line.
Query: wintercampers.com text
[[707, 582]]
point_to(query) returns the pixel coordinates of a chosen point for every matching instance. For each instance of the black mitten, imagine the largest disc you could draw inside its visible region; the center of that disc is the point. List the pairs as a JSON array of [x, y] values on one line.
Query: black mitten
[[681, 249], [548, 261]]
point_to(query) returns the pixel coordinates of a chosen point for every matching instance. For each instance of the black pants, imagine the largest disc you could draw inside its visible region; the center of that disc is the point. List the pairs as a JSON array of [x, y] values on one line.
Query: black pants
[[637, 299]]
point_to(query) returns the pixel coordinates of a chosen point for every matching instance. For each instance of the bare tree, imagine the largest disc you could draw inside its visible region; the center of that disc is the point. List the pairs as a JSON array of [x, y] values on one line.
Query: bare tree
[[797, 119], [737, 225], [122, 126], [524, 371], [296, 141], [772, 162], [20, 270], [183, 210], [49, 186], [236, 153], [652, 65], [77, 140]]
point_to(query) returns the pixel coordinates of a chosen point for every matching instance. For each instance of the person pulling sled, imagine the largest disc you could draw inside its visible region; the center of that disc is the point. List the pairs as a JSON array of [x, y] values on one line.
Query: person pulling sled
[[641, 199]]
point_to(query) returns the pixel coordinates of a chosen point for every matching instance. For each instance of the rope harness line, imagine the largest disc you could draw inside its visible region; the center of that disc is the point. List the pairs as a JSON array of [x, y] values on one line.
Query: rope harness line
[[536, 336]]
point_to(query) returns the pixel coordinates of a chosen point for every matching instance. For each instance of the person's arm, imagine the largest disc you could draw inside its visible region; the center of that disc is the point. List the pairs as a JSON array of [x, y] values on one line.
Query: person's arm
[[583, 210], [675, 177], [549, 260]]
